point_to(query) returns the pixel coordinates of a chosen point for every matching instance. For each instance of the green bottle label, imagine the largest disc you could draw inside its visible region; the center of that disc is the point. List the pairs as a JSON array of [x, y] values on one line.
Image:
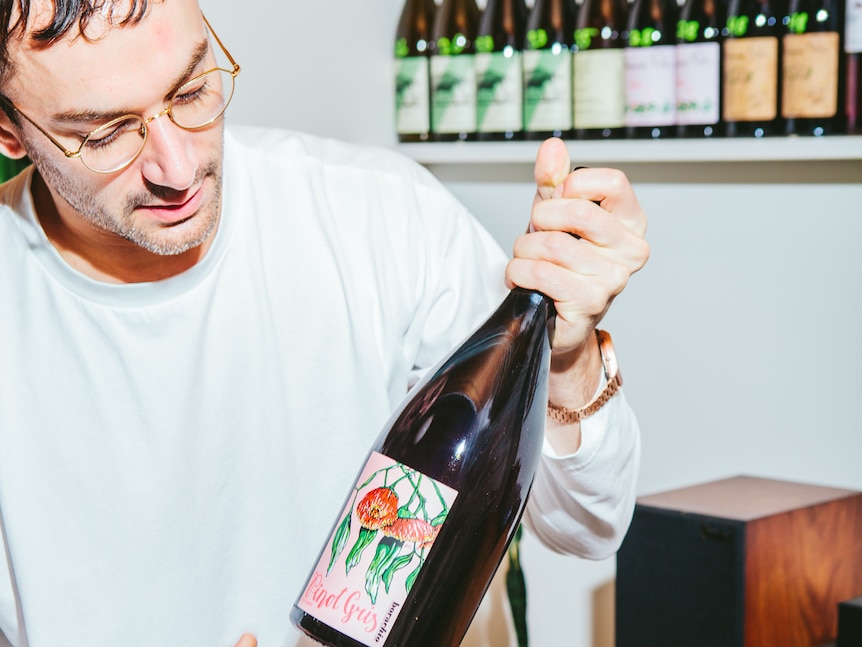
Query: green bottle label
[[485, 44], [499, 95], [798, 22], [537, 38], [584, 37], [412, 104], [645, 37], [737, 25], [452, 46], [453, 94], [548, 90], [687, 30], [401, 48]]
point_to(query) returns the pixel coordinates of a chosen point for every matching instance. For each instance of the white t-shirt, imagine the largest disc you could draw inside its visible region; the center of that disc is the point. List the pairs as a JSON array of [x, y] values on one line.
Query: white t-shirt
[[173, 454]]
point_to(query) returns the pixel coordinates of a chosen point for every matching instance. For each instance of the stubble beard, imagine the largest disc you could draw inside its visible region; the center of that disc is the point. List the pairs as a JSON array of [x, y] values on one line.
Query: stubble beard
[[120, 221]]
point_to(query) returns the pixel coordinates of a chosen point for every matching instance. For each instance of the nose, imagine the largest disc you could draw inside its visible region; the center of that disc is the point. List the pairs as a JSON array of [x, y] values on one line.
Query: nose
[[168, 159]]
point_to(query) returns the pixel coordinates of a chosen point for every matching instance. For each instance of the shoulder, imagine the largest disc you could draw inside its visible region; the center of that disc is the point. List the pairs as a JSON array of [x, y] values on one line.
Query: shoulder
[[15, 202], [277, 148]]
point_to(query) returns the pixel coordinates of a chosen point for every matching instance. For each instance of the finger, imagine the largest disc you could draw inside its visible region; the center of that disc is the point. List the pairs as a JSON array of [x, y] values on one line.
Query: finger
[[581, 299], [552, 166], [247, 640], [610, 189], [600, 239]]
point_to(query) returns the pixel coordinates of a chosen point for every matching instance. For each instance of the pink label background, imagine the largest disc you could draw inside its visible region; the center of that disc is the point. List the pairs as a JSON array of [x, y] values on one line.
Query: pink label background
[[340, 599]]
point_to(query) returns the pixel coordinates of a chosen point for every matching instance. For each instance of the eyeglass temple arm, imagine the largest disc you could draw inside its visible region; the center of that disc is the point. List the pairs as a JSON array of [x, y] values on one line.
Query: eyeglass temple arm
[[236, 67]]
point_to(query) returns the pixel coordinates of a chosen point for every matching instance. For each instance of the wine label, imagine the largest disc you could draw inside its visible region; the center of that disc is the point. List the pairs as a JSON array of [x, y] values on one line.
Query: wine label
[[453, 94], [548, 89], [698, 83], [599, 88], [750, 78], [650, 85], [853, 26], [500, 92], [412, 95], [381, 542], [810, 75]]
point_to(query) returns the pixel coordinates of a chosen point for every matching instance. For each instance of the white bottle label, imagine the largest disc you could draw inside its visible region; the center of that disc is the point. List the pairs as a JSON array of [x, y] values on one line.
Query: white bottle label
[[698, 83], [651, 85], [853, 27], [500, 95], [599, 88], [453, 94], [383, 538], [412, 95], [548, 89]]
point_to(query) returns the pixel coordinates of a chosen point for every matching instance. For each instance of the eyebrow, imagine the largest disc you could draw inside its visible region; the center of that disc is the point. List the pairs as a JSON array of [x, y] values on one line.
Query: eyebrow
[[78, 115]]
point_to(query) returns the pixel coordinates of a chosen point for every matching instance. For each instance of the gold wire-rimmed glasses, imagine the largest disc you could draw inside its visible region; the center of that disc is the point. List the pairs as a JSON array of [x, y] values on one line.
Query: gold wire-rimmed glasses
[[197, 104]]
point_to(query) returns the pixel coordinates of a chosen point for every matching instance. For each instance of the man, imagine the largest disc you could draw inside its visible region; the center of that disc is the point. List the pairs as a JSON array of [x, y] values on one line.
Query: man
[[203, 330]]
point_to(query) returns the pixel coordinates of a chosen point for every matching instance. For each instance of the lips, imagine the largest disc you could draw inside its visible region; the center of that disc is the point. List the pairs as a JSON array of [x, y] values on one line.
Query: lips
[[174, 212]]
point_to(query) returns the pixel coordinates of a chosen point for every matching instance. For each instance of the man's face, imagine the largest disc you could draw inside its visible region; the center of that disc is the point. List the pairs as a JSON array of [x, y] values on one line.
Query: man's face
[[167, 201]]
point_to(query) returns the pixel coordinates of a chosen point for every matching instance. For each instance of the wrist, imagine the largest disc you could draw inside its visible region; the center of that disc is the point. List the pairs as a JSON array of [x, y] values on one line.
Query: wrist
[[576, 374], [583, 401]]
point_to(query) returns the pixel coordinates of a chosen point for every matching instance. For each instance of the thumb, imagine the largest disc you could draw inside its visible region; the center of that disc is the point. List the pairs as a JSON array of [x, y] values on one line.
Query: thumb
[[247, 640], [552, 167]]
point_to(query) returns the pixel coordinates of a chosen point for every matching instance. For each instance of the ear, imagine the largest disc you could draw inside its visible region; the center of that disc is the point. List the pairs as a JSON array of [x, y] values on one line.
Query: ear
[[10, 143]]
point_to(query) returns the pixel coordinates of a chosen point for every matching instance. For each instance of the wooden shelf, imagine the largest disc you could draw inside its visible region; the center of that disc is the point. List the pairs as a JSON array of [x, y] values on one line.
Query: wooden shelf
[[833, 147]]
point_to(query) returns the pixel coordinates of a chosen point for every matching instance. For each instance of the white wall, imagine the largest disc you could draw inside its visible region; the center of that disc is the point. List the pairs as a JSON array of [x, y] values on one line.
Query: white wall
[[739, 342]]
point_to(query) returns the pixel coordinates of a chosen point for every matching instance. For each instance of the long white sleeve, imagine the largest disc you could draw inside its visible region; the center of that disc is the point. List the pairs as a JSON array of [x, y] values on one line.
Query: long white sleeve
[[583, 503]]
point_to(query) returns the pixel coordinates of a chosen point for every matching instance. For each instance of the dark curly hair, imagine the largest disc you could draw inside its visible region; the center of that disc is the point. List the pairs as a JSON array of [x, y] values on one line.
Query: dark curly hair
[[66, 15]]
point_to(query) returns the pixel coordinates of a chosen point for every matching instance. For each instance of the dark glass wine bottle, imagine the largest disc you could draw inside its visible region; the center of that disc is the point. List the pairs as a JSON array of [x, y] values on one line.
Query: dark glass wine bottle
[[811, 66], [698, 68], [453, 71], [548, 69], [853, 66], [599, 70], [412, 71], [441, 494], [751, 64], [651, 69], [500, 70]]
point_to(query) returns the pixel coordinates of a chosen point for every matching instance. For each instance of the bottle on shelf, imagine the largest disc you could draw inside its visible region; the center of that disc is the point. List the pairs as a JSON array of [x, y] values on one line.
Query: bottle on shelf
[[548, 69], [853, 66], [412, 71], [698, 68], [751, 69], [453, 71], [500, 70], [440, 495], [599, 101], [812, 68], [650, 54]]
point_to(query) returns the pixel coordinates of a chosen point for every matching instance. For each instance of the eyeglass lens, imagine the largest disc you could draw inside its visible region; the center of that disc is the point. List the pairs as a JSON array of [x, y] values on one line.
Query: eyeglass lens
[[195, 105]]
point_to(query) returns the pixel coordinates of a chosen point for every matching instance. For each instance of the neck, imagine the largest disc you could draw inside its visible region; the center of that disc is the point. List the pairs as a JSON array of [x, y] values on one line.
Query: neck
[[102, 255]]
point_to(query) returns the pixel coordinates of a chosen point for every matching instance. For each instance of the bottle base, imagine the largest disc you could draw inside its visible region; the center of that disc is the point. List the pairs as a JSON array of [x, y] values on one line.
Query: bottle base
[[319, 631], [752, 129], [412, 138], [649, 132], [813, 127], [508, 136], [699, 131], [599, 133], [543, 135], [452, 137]]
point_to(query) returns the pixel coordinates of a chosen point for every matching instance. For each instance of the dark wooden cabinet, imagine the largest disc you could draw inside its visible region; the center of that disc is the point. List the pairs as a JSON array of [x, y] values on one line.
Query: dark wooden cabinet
[[740, 562]]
